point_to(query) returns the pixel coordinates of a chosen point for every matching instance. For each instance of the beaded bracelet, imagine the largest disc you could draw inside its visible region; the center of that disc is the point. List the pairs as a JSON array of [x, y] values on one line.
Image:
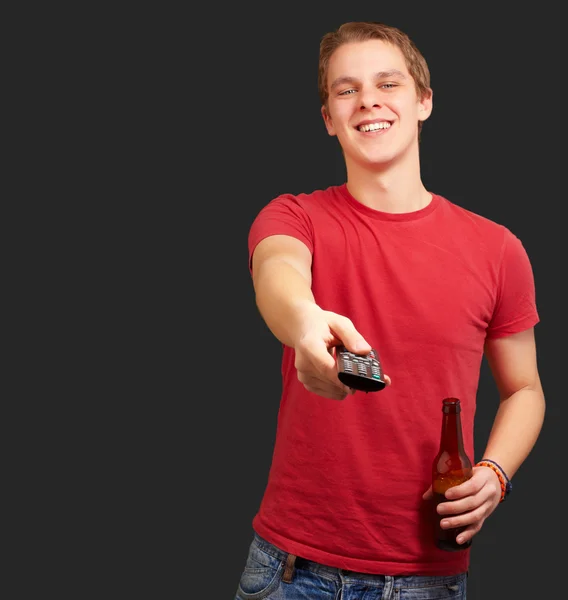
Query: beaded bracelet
[[503, 479]]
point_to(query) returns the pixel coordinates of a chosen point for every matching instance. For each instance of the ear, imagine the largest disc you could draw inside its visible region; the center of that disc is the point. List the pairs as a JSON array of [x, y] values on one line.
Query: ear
[[425, 105], [328, 122]]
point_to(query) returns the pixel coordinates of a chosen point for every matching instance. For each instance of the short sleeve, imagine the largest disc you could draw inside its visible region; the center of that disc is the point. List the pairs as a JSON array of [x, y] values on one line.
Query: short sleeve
[[282, 216], [515, 306]]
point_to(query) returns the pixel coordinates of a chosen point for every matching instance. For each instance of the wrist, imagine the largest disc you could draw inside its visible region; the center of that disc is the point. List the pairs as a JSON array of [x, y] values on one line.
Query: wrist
[[306, 312], [504, 481]]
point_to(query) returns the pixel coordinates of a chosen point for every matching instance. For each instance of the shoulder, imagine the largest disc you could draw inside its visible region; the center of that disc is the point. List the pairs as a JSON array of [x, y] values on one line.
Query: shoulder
[[295, 215], [475, 227], [474, 218], [307, 201]]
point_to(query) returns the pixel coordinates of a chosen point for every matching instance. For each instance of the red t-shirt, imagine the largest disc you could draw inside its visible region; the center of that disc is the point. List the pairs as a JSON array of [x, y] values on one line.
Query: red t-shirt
[[425, 289]]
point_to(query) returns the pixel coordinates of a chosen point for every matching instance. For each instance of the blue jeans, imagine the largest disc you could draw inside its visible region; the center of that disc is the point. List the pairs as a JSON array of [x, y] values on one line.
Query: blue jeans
[[272, 574]]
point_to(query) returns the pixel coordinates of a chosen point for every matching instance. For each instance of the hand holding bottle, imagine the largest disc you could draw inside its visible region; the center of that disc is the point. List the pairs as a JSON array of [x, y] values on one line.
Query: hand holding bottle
[[468, 504], [464, 496]]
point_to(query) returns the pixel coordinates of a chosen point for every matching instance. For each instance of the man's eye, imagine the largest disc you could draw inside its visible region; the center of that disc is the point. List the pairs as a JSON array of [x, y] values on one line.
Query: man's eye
[[345, 92], [388, 85]]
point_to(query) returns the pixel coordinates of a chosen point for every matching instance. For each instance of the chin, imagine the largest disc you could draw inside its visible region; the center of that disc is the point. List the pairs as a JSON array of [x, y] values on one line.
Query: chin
[[382, 157], [379, 161]]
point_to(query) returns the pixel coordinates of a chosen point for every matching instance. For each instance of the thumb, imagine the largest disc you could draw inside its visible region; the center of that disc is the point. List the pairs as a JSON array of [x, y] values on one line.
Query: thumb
[[350, 337], [427, 495]]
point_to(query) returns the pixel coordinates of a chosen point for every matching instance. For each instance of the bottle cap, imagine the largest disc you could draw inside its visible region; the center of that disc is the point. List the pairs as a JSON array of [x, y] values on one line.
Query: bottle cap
[[451, 405]]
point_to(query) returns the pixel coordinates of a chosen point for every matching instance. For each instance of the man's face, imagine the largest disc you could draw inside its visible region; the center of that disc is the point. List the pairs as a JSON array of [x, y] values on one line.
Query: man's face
[[373, 107]]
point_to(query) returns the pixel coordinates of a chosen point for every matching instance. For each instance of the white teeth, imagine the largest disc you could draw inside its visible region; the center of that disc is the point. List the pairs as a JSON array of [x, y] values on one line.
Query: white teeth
[[375, 126]]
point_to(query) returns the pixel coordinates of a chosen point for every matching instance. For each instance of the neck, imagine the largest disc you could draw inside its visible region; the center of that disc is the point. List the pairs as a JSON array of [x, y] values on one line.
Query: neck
[[395, 187]]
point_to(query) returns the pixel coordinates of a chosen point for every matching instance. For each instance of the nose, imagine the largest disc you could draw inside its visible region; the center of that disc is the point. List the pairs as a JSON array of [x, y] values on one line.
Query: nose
[[370, 98]]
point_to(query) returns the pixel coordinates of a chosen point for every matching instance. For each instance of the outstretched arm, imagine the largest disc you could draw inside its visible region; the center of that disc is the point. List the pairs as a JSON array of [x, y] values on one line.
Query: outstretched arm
[[281, 270]]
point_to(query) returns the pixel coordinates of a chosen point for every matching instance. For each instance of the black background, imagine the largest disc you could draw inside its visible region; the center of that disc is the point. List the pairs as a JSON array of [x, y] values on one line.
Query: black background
[[190, 122], [494, 144]]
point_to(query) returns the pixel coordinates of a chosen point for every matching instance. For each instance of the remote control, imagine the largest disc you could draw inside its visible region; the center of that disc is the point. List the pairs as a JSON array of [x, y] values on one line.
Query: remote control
[[359, 371]]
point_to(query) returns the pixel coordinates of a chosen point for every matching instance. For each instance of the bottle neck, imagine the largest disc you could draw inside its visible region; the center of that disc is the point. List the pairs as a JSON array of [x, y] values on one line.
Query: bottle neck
[[451, 439]]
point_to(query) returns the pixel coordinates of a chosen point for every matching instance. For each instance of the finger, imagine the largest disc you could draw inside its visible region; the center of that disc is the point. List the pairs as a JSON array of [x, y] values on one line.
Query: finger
[[467, 534], [313, 352], [332, 394], [471, 519], [428, 494], [327, 384], [323, 383], [329, 375], [387, 380], [467, 488], [480, 502], [344, 329], [457, 507]]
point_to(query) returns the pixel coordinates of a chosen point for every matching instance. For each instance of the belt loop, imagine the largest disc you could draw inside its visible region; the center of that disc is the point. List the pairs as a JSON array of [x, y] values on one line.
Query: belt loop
[[289, 571]]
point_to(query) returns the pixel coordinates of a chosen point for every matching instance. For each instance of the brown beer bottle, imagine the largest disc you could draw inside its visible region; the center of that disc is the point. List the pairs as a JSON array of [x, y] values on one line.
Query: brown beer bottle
[[451, 467]]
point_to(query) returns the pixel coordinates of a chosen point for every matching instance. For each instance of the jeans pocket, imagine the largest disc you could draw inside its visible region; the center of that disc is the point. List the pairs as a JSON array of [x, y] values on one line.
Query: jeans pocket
[[261, 576]]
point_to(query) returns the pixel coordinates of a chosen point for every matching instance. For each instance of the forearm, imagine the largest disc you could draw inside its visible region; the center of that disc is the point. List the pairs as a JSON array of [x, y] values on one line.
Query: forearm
[[284, 299], [516, 428]]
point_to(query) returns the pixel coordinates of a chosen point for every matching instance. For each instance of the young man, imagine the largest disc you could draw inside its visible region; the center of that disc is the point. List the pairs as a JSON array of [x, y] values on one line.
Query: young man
[[381, 262]]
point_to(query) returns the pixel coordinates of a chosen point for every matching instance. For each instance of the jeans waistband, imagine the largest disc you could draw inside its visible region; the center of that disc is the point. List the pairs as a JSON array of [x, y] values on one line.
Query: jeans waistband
[[335, 573]]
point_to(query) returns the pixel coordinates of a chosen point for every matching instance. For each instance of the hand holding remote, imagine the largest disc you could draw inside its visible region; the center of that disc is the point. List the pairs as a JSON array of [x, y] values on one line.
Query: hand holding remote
[[359, 371]]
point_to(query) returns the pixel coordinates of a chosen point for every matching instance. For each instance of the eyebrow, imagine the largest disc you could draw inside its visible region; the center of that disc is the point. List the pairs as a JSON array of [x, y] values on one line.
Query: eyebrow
[[380, 75]]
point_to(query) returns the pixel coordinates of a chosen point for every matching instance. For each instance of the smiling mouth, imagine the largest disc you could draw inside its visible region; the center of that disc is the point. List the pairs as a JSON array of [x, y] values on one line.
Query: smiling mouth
[[373, 127]]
